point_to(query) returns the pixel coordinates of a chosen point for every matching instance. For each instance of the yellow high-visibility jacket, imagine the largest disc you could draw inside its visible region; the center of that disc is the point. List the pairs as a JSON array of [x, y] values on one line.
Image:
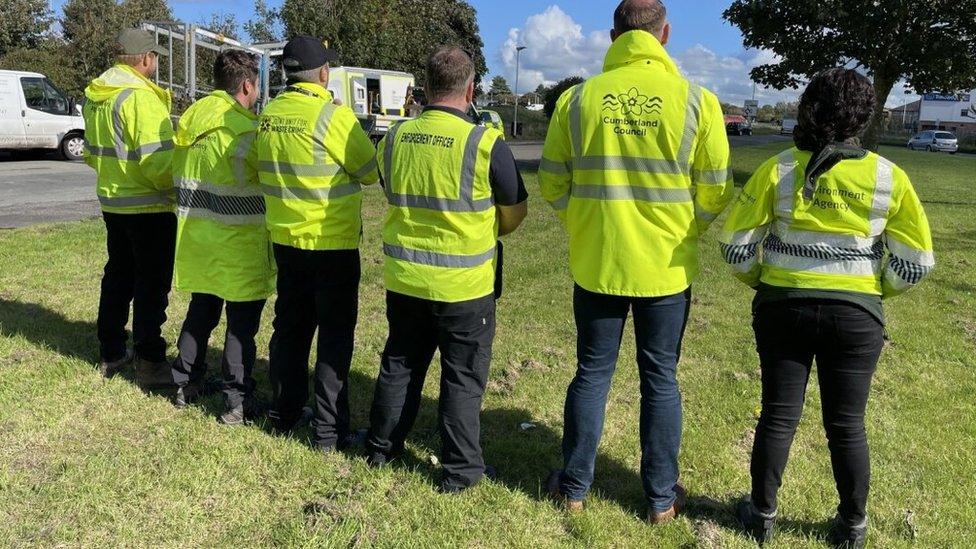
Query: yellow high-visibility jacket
[[129, 141], [313, 157], [636, 163], [440, 230], [222, 244], [863, 230]]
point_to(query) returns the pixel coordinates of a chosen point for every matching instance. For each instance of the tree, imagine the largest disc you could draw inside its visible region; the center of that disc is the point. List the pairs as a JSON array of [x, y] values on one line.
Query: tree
[[541, 90], [388, 34], [224, 24], [930, 44], [556, 91], [767, 113], [23, 24], [265, 25], [499, 86]]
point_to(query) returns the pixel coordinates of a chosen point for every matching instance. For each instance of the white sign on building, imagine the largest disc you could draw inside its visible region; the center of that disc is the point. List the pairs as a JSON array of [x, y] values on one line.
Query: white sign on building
[[957, 108]]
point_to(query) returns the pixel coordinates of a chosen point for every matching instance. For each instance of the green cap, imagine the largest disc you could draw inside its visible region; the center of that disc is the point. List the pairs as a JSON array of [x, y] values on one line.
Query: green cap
[[138, 41]]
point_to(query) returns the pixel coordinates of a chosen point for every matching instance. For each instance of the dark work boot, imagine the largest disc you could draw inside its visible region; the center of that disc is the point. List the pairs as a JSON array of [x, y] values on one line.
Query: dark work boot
[[843, 536], [758, 525], [110, 368], [154, 376], [233, 417]]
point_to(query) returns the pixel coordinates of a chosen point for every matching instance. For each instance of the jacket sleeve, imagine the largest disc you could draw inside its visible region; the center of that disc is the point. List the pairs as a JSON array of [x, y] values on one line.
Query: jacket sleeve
[[748, 223], [908, 240], [351, 147], [711, 172], [556, 167], [152, 138]]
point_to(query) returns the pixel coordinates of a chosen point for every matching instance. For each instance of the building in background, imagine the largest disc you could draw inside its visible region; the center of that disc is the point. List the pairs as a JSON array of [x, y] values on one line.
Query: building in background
[[935, 111]]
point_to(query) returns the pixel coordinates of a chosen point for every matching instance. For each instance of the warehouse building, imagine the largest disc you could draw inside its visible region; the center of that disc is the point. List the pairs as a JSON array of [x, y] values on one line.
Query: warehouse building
[[935, 111]]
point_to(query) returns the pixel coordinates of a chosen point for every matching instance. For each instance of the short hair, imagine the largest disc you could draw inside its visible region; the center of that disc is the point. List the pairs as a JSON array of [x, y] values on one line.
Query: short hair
[[308, 75], [131, 59], [645, 15], [232, 68], [836, 106], [449, 71]]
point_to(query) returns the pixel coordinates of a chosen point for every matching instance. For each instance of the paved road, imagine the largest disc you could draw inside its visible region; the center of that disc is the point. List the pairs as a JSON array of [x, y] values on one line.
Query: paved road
[[43, 190]]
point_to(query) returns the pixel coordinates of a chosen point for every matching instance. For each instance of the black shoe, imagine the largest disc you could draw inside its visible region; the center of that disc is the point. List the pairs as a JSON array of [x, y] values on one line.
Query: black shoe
[[758, 525], [111, 367], [233, 417], [154, 376], [848, 537], [377, 460], [452, 485], [355, 439], [188, 393]]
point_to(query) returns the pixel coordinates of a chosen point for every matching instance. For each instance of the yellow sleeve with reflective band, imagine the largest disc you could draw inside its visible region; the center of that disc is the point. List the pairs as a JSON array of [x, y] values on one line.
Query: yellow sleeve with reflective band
[[351, 148], [556, 167], [711, 173], [908, 240], [151, 137], [748, 223]]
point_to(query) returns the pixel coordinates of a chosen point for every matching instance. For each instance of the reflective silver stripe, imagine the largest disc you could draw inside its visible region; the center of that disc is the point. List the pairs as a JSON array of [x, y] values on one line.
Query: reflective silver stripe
[[555, 167], [156, 199], [882, 197], [705, 215], [811, 238], [576, 120], [895, 280], [150, 148], [388, 159], [216, 188], [436, 259], [111, 152], [320, 154], [121, 150], [825, 266], [786, 188], [560, 203], [239, 159], [715, 177], [367, 169], [908, 253], [229, 204], [465, 201], [299, 170], [627, 192], [692, 116], [304, 193], [628, 163], [202, 213]]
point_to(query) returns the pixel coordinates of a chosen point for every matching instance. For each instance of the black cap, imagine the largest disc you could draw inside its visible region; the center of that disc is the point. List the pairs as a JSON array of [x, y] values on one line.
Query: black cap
[[304, 53]]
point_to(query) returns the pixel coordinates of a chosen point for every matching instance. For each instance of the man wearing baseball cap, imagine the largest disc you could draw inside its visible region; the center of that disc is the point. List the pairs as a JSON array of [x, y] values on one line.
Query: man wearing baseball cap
[[129, 139], [313, 157]]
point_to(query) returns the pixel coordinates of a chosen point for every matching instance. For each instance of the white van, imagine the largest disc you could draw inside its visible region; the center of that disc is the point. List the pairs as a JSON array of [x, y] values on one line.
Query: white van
[[35, 114], [373, 94], [787, 126]]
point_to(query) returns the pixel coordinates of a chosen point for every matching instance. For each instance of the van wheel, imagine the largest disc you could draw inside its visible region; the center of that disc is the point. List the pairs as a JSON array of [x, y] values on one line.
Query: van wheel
[[73, 147]]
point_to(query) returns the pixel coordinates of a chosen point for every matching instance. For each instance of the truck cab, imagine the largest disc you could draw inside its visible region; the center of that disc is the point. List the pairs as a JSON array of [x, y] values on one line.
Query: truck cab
[[378, 97], [35, 114]]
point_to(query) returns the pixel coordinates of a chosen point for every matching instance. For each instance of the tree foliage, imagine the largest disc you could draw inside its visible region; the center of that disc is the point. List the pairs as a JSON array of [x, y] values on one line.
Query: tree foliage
[[499, 86], [557, 90], [265, 25], [930, 44], [223, 23], [388, 34], [23, 24]]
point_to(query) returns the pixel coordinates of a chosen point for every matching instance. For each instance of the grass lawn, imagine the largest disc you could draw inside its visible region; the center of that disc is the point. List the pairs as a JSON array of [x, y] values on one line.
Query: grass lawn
[[90, 462]]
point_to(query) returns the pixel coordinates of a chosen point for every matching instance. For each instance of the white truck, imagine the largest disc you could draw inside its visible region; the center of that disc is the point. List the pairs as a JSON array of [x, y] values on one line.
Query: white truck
[[376, 96], [35, 114], [787, 126]]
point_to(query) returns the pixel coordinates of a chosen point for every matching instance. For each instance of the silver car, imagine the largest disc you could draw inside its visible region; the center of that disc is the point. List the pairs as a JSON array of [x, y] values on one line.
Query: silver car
[[934, 141]]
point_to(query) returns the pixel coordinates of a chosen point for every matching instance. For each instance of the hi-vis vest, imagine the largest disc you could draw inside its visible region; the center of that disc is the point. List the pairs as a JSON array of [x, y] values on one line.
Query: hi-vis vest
[[129, 141], [222, 245], [313, 157], [440, 229], [636, 163], [864, 229]]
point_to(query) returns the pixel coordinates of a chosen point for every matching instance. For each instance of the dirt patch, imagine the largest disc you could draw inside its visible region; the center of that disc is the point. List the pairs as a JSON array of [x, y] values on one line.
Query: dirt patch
[[743, 446], [510, 376], [708, 533], [969, 327]]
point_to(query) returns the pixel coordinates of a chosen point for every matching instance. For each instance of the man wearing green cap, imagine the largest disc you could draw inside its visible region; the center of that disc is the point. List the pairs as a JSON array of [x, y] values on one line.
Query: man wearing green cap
[[129, 144]]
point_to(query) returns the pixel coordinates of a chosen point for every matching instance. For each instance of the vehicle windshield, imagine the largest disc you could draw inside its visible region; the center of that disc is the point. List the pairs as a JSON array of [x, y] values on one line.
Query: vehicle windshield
[[944, 135]]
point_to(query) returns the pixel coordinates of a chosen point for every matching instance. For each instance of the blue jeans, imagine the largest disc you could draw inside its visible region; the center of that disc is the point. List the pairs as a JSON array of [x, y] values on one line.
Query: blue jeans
[[659, 324]]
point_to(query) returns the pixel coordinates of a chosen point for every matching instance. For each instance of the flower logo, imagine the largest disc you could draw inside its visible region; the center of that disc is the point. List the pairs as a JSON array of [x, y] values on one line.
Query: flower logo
[[632, 103]]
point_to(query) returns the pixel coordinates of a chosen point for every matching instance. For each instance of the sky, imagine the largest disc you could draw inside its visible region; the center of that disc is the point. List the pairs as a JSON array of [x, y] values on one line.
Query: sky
[[570, 37]]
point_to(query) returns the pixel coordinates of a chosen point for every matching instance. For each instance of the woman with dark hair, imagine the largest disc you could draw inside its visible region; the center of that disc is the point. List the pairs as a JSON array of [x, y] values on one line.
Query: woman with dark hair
[[823, 232]]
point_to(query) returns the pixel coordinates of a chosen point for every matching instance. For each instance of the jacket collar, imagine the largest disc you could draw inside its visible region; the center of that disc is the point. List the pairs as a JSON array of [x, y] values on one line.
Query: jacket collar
[[122, 76], [449, 110], [638, 47], [221, 94], [313, 89]]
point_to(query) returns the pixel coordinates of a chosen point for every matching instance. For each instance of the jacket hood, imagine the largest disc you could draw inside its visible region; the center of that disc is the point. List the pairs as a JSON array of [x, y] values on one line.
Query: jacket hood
[[638, 46], [121, 77], [217, 110]]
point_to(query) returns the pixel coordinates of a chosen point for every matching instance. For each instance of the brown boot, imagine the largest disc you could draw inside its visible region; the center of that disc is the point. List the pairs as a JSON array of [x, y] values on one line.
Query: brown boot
[[660, 517], [154, 376], [552, 487]]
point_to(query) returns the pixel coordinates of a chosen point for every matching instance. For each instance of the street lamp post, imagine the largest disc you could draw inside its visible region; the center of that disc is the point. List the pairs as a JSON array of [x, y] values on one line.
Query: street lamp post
[[518, 53]]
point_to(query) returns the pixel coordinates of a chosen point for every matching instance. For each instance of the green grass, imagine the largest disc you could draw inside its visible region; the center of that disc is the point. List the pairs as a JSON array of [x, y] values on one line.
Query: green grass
[[90, 462]]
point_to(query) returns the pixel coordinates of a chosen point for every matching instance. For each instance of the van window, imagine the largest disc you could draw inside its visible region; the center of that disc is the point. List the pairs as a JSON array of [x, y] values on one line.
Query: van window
[[41, 95]]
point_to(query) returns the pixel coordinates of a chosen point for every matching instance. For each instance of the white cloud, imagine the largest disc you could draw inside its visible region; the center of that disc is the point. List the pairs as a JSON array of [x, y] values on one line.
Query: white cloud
[[728, 76]]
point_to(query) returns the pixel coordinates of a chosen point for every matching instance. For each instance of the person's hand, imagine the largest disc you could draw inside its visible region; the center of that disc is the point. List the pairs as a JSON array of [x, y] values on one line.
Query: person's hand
[[337, 102]]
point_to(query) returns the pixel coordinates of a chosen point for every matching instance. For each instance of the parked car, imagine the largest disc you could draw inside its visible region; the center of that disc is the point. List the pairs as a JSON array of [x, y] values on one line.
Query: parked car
[[787, 126], [934, 141], [35, 114], [737, 125], [491, 119]]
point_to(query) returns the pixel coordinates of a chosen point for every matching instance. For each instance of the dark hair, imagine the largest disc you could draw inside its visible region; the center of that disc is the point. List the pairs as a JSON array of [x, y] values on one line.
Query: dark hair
[[645, 15], [836, 106], [449, 71], [232, 68]]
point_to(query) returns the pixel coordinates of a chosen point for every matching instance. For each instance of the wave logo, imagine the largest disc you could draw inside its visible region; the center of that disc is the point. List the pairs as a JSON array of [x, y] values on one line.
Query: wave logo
[[633, 103]]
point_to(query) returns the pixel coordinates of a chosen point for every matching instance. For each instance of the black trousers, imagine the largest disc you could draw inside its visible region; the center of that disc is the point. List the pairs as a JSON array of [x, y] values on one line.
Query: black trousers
[[317, 290], [139, 271], [243, 321], [846, 342], [463, 332]]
